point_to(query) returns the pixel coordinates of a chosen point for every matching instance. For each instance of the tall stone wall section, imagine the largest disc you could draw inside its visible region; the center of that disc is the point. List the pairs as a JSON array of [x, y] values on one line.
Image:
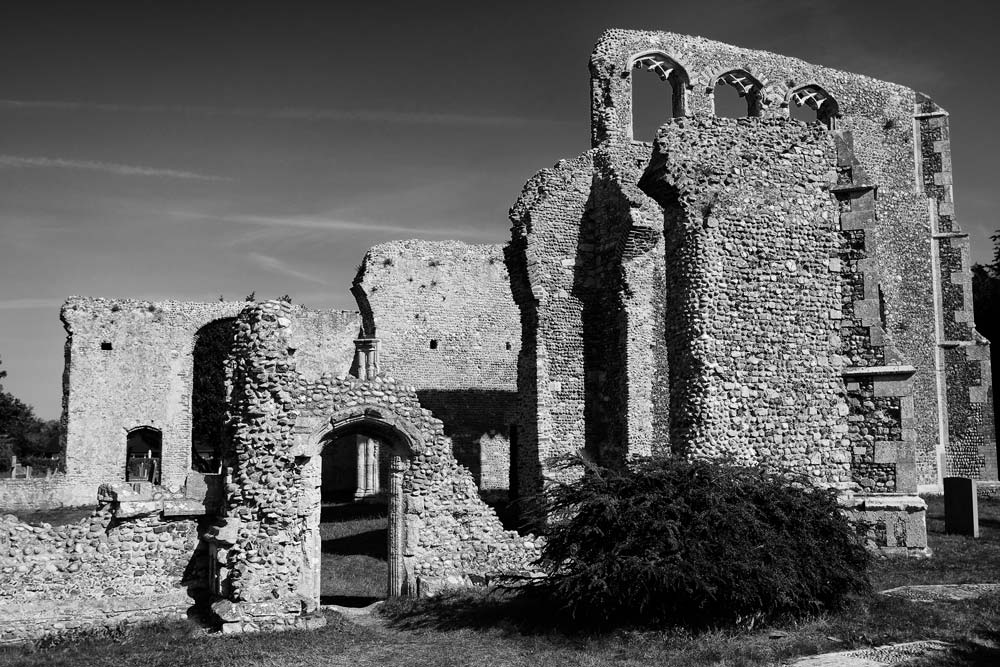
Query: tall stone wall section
[[755, 306], [266, 549], [449, 327], [130, 364], [900, 392], [886, 139]]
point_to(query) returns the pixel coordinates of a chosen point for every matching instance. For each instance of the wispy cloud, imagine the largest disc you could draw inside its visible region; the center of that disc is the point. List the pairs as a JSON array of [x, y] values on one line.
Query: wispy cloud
[[330, 224], [289, 113], [21, 162], [276, 265], [29, 304]]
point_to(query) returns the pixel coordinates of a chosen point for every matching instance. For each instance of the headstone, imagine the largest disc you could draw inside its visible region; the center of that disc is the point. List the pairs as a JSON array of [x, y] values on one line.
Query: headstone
[[961, 507]]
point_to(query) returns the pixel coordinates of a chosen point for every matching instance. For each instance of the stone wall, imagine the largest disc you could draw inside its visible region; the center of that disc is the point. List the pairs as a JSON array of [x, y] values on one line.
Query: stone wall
[[588, 273], [267, 550], [448, 327], [750, 232], [129, 364], [129, 561]]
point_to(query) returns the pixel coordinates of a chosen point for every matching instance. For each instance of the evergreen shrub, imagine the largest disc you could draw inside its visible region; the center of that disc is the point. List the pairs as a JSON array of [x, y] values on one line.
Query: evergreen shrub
[[672, 542]]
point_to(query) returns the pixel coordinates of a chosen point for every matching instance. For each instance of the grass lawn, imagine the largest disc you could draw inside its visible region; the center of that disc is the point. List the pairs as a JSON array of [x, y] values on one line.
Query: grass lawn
[[497, 631]]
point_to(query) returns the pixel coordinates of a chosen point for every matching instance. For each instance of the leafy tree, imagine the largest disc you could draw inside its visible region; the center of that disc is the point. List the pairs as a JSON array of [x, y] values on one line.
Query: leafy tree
[[34, 441], [986, 301], [986, 294]]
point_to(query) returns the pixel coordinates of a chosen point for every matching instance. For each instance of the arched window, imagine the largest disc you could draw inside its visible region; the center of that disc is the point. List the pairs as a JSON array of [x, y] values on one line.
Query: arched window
[[143, 454], [737, 94], [811, 103], [651, 105]]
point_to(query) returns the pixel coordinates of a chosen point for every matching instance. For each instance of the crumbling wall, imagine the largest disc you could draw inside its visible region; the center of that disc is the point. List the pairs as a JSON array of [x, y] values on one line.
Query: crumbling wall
[[130, 364], [448, 326], [113, 566], [267, 548]]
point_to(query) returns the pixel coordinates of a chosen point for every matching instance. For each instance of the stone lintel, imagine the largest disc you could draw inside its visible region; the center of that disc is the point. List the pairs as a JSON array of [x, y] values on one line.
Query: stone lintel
[[875, 371]]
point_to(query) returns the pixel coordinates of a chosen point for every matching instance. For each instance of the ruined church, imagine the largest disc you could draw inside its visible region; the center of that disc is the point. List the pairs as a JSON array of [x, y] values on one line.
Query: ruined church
[[780, 293]]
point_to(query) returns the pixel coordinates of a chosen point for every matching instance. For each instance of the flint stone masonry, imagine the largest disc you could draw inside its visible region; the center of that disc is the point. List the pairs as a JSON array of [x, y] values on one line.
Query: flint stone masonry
[[266, 548], [127, 562], [413, 292]]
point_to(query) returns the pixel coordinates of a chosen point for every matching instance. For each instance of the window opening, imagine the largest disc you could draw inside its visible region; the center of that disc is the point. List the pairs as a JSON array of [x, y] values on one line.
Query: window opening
[[653, 104], [811, 104], [143, 455], [737, 94]]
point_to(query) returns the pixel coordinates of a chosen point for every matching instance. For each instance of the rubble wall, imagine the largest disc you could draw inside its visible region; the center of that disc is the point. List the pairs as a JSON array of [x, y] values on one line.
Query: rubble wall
[[100, 570]]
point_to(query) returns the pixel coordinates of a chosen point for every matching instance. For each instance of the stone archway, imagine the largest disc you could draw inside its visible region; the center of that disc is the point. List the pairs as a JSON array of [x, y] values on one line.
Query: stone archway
[[403, 441]]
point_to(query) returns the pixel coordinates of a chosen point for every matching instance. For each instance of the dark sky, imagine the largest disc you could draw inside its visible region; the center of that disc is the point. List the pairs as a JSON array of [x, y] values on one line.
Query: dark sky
[[187, 150]]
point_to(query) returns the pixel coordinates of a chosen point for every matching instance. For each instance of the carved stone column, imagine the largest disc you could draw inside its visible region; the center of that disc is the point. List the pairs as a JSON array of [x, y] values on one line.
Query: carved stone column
[[397, 538]]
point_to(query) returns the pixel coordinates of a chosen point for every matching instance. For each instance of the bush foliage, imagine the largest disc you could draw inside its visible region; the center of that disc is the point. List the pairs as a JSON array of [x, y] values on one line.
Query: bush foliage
[[697, 544]]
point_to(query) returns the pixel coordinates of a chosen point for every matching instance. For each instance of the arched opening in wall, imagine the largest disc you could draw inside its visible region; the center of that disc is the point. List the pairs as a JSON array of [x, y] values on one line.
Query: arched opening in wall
[[810, 103], [737, 94], [360, 496], [143, 455], [209, 396], [658, 86]]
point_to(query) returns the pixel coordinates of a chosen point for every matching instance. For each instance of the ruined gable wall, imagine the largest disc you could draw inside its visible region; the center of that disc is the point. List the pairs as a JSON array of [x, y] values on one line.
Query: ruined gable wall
[[458, 295], [906, 152], [143, 380], [754, 309]]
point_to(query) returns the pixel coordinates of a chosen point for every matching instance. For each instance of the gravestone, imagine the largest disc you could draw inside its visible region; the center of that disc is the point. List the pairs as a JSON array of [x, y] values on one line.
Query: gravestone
[[961, 508]]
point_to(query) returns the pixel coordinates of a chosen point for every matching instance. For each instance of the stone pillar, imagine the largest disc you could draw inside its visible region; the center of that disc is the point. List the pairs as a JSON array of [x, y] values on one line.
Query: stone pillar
[[361, 475], [367, 467], [397, 575], [371, 467], [366, 357]]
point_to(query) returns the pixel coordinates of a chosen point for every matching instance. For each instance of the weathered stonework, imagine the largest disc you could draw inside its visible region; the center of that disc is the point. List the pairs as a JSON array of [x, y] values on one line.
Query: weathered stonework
[[266, 551], [135, 558], [761, 290], [450, 326], [781, 302]]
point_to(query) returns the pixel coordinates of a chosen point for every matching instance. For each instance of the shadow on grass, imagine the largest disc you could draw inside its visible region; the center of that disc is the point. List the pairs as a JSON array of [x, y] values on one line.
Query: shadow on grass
[[369, 543], [337, 513], [506, 611]]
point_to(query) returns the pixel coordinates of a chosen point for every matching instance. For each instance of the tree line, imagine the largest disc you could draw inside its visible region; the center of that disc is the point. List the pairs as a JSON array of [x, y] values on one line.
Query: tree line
[[34, 441]]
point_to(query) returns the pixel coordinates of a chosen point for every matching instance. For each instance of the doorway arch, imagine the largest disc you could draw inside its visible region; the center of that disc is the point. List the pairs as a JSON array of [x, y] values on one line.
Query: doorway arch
[[400, 442]]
